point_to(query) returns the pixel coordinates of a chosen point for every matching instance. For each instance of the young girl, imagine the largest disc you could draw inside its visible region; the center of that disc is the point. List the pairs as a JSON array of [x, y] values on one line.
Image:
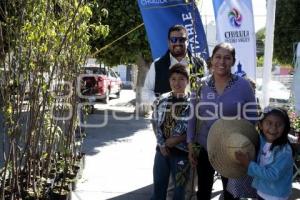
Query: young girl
[[272, 172], [171, 152]]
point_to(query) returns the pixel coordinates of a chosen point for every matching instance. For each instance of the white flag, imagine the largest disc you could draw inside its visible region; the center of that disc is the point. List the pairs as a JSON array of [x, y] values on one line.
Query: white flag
[[296, 80], [235, 25]]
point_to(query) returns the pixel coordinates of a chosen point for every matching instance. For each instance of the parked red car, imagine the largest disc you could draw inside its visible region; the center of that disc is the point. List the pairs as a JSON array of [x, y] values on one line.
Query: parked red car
[[101, 83]]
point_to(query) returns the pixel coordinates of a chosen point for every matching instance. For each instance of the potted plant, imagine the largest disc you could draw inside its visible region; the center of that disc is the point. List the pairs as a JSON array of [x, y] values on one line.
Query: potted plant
[[295, 122], [60, 192]]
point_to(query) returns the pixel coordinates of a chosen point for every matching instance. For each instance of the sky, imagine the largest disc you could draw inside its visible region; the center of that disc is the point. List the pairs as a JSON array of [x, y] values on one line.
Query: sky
[[259, 12]]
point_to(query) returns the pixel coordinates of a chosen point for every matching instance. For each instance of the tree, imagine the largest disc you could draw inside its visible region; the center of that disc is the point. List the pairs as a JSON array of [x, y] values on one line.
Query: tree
[[123, 17], [287, 29], [42, 44], [260, 41]]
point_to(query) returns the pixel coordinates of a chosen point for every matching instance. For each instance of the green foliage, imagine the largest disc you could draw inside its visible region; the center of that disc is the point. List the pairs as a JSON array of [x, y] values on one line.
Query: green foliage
[[182, 175], [294, 118], [260, 40], [287, 29], [46, 43], [123, 16], [260, 61], [261, 34]]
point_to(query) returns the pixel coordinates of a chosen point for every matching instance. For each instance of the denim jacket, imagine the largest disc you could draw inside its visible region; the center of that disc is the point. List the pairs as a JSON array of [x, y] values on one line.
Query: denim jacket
[[275, 178], [180, 123]]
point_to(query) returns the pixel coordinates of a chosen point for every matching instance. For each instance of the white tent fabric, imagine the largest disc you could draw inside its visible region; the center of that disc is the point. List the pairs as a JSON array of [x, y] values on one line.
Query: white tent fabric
[[296, 80]]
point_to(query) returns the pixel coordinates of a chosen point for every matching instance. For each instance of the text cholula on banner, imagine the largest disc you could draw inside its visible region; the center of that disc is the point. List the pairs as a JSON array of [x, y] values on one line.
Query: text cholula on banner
[[235, 25], [160, 15]]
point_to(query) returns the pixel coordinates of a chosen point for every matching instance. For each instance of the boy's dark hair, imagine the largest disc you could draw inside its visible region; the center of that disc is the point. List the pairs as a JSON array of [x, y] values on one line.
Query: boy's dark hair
[[282, 113], [179, 69], [177, 27]]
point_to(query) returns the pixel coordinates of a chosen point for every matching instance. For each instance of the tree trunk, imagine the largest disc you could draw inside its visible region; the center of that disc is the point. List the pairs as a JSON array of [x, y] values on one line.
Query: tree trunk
[[142, 67]]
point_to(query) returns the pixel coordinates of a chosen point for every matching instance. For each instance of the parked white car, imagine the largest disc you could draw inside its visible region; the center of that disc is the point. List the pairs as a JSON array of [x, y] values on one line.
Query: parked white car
[[279, 93]]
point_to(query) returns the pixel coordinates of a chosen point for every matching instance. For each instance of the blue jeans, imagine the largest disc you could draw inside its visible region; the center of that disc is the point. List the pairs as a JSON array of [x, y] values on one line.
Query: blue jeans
[[176, 164]]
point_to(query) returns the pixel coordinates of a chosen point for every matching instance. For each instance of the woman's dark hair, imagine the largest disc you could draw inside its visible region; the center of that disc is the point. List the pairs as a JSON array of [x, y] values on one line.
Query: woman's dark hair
[[227, 46], [177, 27], [179, 69], [282, 113]]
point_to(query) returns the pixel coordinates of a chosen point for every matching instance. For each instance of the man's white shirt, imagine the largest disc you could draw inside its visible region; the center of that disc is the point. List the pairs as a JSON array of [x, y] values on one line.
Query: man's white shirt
[[148, 94]]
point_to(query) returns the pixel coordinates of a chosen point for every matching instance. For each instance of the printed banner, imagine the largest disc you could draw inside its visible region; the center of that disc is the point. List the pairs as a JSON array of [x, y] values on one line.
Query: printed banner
[[160, 15], [235, 25]]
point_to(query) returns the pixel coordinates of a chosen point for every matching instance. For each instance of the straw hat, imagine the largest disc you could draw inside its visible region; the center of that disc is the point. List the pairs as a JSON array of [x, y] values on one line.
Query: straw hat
[[224, 139]]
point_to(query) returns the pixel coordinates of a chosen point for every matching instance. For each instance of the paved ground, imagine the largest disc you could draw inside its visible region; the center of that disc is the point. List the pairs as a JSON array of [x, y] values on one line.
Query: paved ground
[[120, 156]]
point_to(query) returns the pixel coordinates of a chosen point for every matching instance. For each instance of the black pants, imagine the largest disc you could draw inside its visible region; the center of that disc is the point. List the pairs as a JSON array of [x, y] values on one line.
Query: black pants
[[206, 178]]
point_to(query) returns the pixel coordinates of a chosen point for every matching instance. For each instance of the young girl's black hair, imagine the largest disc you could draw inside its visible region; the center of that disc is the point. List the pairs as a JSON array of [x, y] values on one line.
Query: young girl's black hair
[[282, 113]]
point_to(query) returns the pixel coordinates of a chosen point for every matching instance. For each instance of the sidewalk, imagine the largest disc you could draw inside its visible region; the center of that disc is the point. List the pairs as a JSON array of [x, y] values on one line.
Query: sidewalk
[[119, 160]]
